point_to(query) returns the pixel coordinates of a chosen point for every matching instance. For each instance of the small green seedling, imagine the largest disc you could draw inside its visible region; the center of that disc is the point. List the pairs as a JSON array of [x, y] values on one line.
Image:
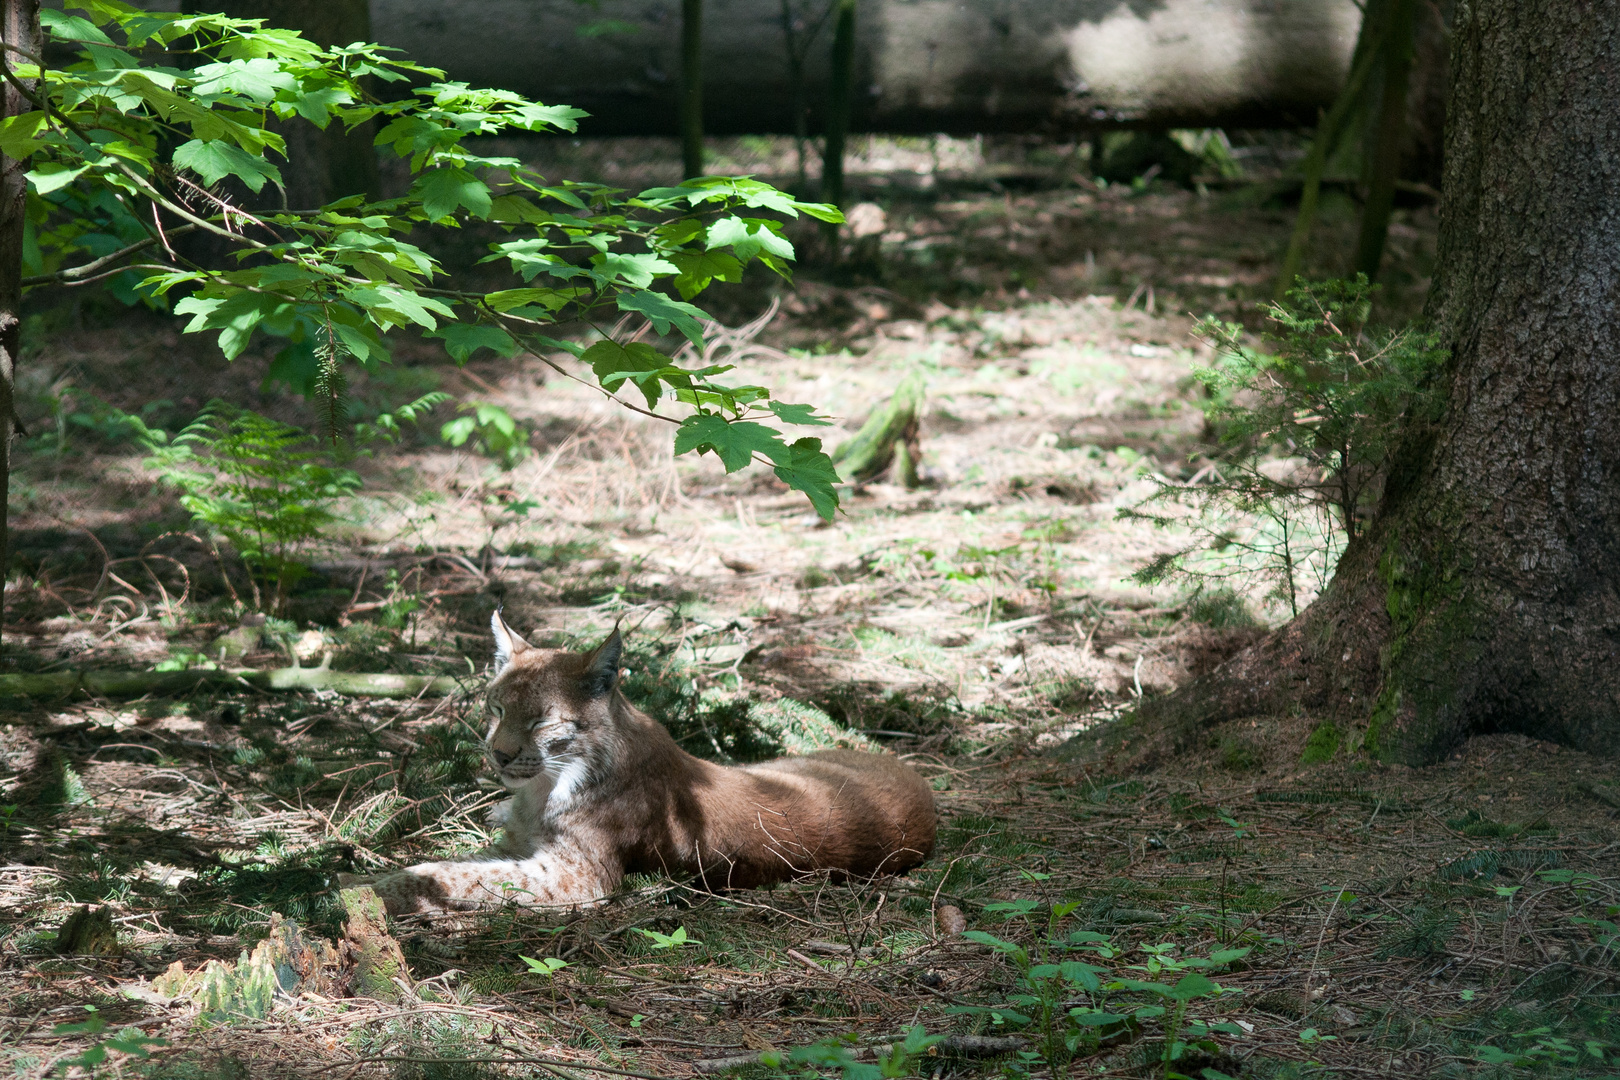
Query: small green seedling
[[548, 966], [130, 1041], [899, 1060], [665, 941]]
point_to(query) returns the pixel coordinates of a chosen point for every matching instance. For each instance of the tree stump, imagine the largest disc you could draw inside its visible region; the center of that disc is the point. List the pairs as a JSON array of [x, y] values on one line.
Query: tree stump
[[890, 437], [376, 958], [89, 931]]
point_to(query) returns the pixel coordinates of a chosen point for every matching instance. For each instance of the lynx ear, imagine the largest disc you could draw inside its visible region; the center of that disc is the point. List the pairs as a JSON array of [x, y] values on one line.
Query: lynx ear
[[507, 643], [602, 666]]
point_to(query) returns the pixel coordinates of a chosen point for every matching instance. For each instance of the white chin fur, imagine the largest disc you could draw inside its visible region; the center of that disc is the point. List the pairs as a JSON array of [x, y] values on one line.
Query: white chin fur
[[515, 783], [569, 779]]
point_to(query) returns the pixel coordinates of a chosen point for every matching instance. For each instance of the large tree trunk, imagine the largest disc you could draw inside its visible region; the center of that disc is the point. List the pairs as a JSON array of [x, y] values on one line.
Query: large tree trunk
[[923, 65], [19, 21], [1484, 595]]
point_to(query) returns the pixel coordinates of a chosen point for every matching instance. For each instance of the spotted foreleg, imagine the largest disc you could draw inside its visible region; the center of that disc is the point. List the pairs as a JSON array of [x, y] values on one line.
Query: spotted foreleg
[[545, 879]]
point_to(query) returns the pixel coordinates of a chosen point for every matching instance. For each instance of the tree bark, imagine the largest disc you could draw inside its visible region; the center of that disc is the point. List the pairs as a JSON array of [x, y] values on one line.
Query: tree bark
[[922, 65], [19, 21], [1483, 597]]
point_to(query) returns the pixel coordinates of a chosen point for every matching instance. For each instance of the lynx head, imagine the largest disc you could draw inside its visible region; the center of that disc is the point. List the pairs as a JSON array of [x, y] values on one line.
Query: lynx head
[[548, 709]]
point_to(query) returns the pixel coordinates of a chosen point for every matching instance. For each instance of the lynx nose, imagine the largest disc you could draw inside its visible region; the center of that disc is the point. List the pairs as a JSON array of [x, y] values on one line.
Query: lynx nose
[[502, 758]]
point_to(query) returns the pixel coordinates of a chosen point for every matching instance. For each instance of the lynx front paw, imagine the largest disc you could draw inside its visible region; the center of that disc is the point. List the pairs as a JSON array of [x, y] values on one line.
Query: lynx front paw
[[500, 814]]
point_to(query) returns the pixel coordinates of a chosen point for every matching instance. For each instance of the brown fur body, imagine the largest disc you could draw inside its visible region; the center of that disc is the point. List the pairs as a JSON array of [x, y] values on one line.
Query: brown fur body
[[600, 790]]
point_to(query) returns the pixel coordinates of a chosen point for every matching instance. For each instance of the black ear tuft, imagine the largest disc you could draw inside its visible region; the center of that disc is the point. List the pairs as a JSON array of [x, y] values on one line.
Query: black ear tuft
[[507, 642], [602, 666]]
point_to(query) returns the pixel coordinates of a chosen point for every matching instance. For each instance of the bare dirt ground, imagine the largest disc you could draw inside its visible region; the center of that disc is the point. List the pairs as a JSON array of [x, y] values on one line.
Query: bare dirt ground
[[1396, 920]]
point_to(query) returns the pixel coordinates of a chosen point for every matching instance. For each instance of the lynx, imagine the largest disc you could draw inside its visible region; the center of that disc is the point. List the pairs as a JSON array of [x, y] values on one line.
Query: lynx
[[601, 790]]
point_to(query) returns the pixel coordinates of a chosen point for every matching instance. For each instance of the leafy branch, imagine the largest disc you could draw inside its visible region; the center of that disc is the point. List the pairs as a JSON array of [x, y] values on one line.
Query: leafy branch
[[166, 125]]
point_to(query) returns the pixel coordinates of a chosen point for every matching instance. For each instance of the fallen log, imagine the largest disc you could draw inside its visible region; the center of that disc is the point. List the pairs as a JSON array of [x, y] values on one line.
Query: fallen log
[[61, 684], [921, 66]]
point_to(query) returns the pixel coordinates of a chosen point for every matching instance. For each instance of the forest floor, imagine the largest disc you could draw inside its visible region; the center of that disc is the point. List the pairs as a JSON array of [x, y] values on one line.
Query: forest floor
[[1274, 918]]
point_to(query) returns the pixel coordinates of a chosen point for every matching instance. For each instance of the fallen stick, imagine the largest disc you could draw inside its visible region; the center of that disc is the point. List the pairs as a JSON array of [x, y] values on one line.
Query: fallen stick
[[60, 684], [806, 961], [952, 1046], [1601, 794]]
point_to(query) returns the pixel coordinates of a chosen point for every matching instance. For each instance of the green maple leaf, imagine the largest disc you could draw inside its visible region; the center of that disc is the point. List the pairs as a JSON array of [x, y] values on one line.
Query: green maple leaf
[[799, 415], [614, 363], [258, 79], [700, 268], [663, 313], [442, 190], [803, 466], [810, 470], [733, 443], [462, 340], [213, 161]]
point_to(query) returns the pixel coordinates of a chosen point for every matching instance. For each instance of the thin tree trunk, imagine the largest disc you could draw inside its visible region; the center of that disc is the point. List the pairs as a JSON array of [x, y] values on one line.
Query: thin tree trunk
[[795, 69], [1389, 137], [19, 21], [840, 96], [1485, 594], [692, 88], [797, 38], [1329, 133], [322, 165]]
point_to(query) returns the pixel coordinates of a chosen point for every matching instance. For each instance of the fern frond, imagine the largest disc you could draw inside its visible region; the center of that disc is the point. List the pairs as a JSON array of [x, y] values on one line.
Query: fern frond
[[257, 483], [421, 406]]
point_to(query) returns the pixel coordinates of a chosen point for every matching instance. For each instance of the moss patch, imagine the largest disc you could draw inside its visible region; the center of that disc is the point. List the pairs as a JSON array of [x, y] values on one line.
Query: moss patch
[[1323, 742]]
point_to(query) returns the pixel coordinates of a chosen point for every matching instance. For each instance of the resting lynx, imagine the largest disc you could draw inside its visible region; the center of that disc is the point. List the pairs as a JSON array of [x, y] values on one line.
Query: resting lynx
[[601, 790]]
